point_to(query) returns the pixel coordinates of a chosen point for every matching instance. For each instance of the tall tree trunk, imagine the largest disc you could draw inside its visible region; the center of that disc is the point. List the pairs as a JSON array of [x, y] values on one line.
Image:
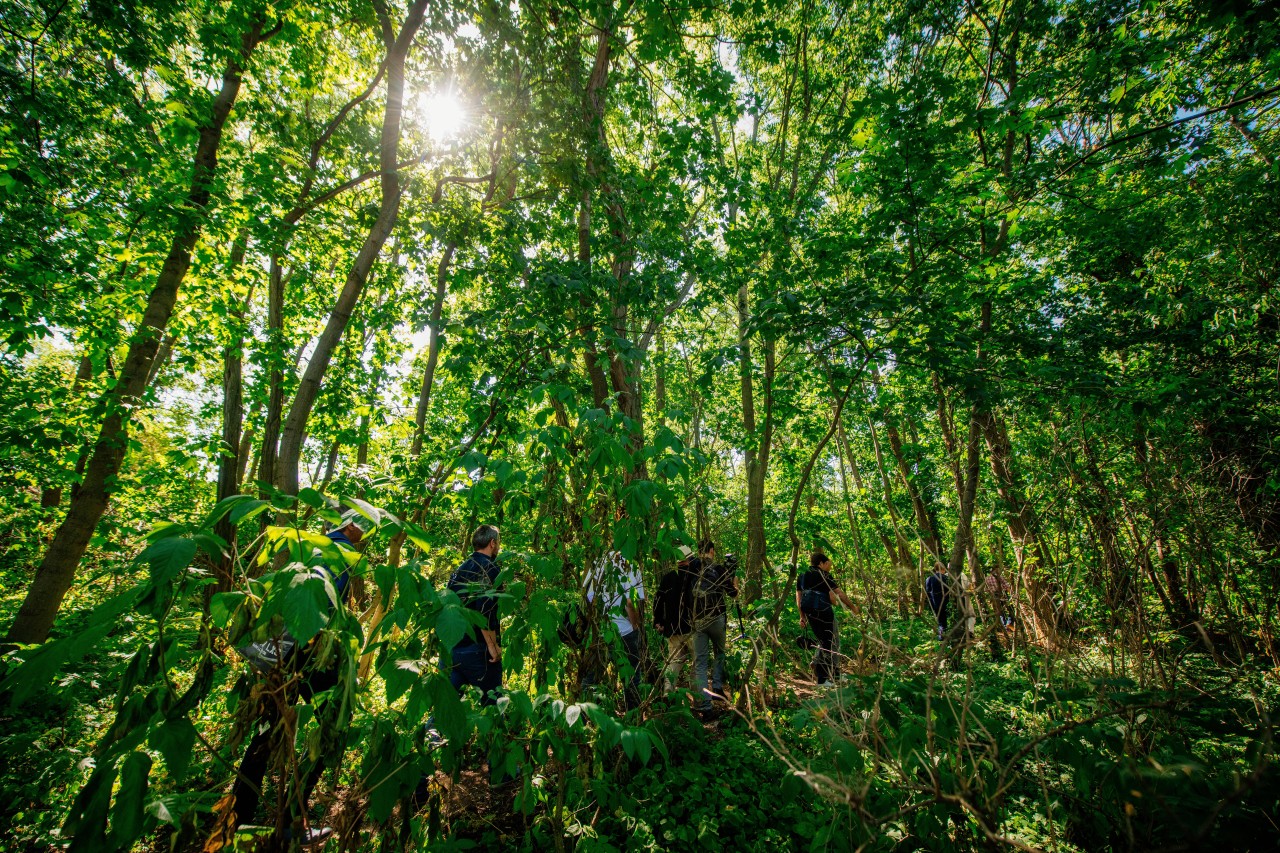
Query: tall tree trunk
[[757, 451], [433, 348], [57, 570], [1032, 557], [309, 386], [232, 414], [927, 529], [1184, 616], [275, 386]]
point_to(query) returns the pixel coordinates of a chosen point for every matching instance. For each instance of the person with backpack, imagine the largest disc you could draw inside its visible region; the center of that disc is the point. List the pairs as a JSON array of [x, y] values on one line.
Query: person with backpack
[[476, 659], [307, 672], [671, 611], [816, 597], [615, 585], [710, 583], [938, 589]]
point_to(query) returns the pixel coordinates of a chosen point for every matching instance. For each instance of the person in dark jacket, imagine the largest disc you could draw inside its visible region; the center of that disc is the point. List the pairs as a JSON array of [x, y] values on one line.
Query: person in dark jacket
[[710, 583], [476, 659], [671, 616], [316, 677], [816, 597], [938, 590]]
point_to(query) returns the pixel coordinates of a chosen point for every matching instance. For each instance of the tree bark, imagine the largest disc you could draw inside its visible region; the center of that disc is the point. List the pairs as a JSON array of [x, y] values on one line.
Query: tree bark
[[57, 570], [433, 349], [759, 444], [1183, 615], [309, 387], [232, 415], [1034, 564], [275, 388]]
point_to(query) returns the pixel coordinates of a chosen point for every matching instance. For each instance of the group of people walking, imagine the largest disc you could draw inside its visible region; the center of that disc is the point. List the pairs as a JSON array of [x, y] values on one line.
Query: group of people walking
[[690, 614]]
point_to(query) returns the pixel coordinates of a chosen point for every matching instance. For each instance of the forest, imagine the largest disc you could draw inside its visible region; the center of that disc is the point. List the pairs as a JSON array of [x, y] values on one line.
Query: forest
[[392, 392]]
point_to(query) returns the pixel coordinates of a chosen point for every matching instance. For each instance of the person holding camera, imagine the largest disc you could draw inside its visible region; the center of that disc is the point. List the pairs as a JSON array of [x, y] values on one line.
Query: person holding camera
[[816, 597], [711, 582]]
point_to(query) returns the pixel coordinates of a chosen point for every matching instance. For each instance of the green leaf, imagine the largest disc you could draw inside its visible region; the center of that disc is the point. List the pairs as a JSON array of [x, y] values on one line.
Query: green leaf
[[246, 510], [311, 497], [174, 741], [449, 711], [451, 624], [399, 676], [305, 606], [223, 507], [128, 818]]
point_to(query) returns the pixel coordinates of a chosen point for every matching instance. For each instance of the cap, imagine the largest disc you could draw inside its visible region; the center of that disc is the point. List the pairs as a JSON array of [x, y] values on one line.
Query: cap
[[685, 552]]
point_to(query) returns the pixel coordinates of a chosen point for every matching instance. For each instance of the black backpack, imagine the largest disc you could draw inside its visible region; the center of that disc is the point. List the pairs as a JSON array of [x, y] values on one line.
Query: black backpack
[[666, 606], [707, 583], [813, 600]]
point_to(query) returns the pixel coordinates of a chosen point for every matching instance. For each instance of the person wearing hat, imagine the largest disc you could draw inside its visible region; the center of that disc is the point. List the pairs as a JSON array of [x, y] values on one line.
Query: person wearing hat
[[671, 618], [314, 676]]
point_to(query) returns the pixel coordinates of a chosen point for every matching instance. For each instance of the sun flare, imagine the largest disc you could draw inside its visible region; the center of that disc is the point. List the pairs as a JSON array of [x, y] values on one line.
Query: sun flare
[[443, 116]]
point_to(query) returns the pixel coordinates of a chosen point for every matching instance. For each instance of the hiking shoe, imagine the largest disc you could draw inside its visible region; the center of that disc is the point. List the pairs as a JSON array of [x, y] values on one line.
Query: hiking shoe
[[310, 836], [315, 835]]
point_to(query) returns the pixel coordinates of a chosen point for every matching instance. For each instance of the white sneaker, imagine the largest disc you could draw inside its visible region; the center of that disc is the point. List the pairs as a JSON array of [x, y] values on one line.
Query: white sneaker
[[315, 835]]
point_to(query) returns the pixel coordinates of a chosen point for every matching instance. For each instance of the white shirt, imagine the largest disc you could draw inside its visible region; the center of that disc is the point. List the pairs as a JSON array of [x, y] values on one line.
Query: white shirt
[[618, 582]]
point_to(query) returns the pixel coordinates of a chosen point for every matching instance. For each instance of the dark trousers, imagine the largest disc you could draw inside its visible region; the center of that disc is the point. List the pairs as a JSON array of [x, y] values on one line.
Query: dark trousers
[[253, 769], [941, 614], [471, 666], [825, 667], [593, 667], [631, 648]]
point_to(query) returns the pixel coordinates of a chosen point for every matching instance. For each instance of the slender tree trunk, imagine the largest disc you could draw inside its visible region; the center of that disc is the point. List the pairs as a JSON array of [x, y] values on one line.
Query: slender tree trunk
[[232, 414], [1032, 557], [57, 570], [590, 356], [275, 387], [330, 464], [923, 515], [660, 381], [897, 560], [246, 444], [163, 354], [759, 443], [433, 349], [911, 591], [309, 386], [1183, 614]]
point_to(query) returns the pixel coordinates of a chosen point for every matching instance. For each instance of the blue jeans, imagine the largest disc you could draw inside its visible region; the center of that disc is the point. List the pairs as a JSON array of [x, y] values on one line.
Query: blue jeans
[[708, 634], [471, 665]]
